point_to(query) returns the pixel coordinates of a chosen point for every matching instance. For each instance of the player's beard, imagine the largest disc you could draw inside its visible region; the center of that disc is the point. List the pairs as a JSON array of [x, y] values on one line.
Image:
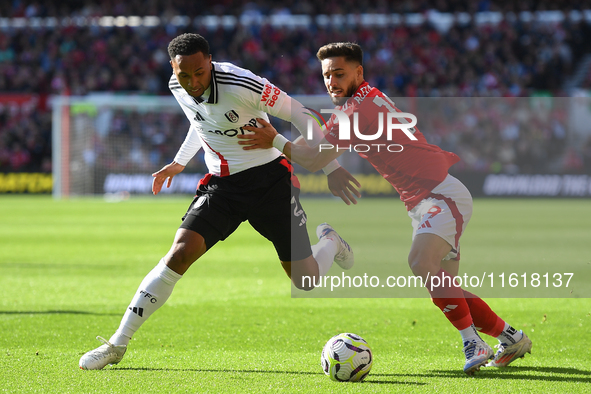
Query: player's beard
[[342, 100]]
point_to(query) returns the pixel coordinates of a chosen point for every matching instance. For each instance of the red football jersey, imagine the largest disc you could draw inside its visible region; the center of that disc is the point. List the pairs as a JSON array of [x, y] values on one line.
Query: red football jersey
[[414, 168]]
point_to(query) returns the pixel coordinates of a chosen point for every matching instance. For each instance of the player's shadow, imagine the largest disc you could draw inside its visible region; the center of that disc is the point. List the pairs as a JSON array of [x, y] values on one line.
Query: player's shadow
[[554, 370], [255, 371], [214, 370], [551, 374], [56, 312], [403, 382]]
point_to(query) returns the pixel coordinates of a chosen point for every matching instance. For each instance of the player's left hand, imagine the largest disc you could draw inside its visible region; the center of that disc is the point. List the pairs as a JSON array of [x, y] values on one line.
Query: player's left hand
[[166, 173], [342, 184], [262, 137]]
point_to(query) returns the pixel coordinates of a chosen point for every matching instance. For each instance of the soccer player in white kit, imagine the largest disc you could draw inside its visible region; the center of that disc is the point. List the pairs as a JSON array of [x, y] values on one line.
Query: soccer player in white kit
[[438, 204], [219, 99]]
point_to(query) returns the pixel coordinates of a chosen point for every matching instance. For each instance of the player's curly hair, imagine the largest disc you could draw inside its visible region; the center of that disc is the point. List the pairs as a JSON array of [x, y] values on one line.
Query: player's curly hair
[[350, 50], [188, 44]]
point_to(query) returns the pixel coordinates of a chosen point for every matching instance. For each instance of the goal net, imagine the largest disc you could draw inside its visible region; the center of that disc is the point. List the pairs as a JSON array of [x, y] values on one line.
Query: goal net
[[111, 144]]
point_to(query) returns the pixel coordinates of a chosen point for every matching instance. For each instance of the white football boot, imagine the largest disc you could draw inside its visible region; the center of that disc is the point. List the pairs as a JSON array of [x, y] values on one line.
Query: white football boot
[[477, 354], [102, 355], [344, 257], [506, 354]]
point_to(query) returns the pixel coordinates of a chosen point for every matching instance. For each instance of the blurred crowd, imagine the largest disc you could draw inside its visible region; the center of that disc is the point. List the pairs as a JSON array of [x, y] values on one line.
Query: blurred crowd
[[502, 135], [20, 8], [510, 59]]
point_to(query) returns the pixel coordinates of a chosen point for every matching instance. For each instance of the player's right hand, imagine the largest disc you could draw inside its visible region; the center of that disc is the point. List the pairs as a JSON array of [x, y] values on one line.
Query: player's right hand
[[167, 172], [344, 185], [260, 138]]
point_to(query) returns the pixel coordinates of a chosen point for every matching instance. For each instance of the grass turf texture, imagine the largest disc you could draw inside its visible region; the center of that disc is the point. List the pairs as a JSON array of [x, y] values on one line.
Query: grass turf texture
[[68, 270]]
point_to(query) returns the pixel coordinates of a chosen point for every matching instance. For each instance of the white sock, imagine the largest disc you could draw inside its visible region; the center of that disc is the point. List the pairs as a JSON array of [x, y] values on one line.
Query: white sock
[[470, 334], [324, 252], [151, 295], [510, 335]]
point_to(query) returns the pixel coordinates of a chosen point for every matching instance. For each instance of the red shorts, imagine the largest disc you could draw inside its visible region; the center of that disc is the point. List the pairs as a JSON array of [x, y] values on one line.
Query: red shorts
[[445, 212]]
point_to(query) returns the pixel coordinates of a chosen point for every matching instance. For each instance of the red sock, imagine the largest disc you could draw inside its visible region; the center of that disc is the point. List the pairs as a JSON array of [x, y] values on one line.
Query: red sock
[[450, 299], [485, 319]]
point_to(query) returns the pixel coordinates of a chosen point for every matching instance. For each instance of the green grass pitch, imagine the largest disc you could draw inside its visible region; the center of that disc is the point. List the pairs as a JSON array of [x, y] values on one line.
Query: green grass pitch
[[68, 270]]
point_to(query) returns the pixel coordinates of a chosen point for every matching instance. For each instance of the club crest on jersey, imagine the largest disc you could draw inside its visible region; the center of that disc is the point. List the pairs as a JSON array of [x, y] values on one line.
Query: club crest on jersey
[[232, 116]]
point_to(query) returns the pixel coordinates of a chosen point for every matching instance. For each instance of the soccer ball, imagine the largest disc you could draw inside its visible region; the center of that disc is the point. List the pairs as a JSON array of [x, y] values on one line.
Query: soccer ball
[[346, 358]]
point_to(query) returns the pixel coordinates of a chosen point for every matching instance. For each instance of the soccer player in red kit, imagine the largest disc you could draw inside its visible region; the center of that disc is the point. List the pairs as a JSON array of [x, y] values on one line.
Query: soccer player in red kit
[[439, 205]]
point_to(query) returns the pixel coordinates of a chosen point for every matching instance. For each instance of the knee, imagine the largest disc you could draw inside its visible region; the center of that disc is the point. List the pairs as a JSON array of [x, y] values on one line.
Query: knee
[[304, 282], [414, 260], [304, 273], [422, 264]]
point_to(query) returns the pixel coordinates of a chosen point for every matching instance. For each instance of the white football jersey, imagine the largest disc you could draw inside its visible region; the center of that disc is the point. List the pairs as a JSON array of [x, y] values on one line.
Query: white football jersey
[[236, 98]]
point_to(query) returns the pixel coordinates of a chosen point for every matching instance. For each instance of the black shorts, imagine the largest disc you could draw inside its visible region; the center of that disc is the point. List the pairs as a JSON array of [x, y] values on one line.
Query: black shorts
[[267, 196]]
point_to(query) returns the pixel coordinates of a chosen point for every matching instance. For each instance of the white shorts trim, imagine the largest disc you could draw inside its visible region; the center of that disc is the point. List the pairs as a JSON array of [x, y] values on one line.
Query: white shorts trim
[[445, 212]]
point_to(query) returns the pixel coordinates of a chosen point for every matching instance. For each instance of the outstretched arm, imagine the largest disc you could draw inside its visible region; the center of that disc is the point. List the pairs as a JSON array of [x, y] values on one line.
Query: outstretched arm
[[340, 182], [294, 112], [311, 158]]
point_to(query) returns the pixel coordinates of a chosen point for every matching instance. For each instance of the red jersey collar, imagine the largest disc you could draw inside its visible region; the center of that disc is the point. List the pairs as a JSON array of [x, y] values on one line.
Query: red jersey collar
[[361, 92]]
